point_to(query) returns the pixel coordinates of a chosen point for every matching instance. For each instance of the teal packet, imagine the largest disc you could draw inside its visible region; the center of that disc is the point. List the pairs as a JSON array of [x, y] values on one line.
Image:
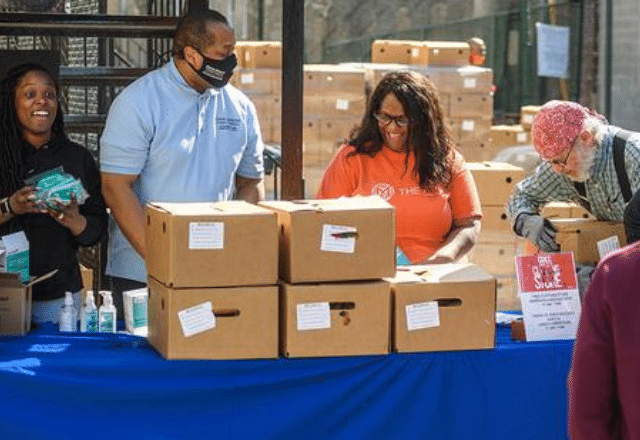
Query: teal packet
[[56, 186], [401, 258]]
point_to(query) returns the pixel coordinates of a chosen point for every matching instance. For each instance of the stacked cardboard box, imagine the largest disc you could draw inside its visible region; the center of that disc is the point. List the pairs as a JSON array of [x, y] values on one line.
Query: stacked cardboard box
[[527, 113], [581, 236], [333, 256], [443, 307], [212, 280], [503, 136], [565, 210], [497, 245], [439, 53]]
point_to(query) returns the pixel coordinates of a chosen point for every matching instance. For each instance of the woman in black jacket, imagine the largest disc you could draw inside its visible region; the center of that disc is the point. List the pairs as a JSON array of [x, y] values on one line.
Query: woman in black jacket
[[33, 141]]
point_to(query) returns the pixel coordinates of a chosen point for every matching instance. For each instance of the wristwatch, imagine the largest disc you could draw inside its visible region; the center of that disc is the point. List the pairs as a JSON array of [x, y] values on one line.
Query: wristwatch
[[5, 208]]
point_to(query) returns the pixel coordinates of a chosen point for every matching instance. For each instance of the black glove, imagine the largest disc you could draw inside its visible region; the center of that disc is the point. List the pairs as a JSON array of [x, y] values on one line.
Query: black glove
[[538, 230]]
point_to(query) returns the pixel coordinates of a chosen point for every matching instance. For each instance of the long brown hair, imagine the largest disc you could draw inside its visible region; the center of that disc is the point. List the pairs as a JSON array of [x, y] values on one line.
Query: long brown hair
[[429, 136]]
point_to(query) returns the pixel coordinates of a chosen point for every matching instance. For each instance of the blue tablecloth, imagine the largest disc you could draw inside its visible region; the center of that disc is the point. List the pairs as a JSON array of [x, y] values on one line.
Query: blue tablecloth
[[55, 386]]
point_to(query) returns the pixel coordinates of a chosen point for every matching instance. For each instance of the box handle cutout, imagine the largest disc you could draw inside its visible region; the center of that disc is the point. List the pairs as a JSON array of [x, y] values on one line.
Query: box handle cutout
[[449, 302], [342, 305], [226, 313]]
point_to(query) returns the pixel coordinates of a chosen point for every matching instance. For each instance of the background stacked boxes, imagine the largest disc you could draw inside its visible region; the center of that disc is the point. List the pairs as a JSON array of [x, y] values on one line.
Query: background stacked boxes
[[335, 96], [212, 280], [497, 245]]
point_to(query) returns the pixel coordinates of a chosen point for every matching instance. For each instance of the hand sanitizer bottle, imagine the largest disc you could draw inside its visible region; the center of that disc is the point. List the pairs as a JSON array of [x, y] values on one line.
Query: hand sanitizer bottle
[[89, 314], [107, 314], [67, 319]]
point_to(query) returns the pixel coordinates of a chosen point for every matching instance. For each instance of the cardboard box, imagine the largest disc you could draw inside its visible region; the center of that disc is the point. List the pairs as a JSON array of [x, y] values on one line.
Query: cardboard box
[[246, 322], [581, 236], [466, 79], [15, 303], [527, 113], [509, 135], [443, 53], [494, 180], [470, 104], [87, 278], [232, 243], [338, 319], [498, 258], [350, 238], [495, 218], [258, 80], [471, 128], [264, 54], [443, 307], [565, 210]]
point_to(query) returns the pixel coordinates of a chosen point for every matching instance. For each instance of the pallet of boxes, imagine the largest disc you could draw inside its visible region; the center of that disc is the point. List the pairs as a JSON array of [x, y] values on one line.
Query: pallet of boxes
[[334, 100]]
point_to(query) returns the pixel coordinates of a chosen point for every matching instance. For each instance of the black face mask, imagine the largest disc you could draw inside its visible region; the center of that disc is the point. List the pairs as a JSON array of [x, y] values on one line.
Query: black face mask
[[217, 72]]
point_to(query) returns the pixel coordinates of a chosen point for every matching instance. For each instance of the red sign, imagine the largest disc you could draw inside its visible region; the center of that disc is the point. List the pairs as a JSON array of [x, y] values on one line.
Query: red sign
[[546, 272]]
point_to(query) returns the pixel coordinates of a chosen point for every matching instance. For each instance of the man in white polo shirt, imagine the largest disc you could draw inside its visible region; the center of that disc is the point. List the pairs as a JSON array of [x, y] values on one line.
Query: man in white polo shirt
[[178, 134]]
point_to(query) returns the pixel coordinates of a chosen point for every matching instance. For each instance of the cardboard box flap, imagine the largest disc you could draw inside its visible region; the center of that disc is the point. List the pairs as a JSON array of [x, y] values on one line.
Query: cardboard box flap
[[439, 273], [577, 224], [340, 204], [12, 279], [230, 207]]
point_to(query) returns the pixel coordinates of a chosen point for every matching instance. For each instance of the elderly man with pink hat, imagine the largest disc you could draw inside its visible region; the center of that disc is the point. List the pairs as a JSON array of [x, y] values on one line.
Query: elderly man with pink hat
[[585, 160]]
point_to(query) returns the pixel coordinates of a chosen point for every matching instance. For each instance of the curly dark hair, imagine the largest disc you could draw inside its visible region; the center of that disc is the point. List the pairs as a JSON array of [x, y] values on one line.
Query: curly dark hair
[[11, 139], [191, 30], [429, 136]]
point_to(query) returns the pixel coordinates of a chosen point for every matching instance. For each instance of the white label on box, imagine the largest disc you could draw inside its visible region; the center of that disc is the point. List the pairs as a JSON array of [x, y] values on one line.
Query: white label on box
[[527, 118], [607, 245], [206, 235], [415, 52], [197, 319], [521, 138], [422, 315], [338, 239], [468, 125], [342, 104], [313, 316], [469, 83], [246, 78]]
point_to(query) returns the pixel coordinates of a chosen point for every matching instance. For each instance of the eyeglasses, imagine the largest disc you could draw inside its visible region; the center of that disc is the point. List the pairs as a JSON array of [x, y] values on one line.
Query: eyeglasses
[[563, 162], [385, 119]]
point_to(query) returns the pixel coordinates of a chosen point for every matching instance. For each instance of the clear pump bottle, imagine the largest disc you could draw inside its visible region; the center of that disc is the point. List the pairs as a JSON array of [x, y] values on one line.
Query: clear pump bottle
[[107, 314], [68, 318], [89, 314]]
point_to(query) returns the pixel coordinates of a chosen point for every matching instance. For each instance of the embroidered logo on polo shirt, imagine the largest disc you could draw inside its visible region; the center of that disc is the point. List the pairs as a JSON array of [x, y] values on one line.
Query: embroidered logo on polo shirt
[[228, 124]]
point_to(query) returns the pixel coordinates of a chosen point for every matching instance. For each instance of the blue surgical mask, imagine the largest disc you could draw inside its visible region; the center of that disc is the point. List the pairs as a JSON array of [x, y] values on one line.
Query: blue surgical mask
[[216, 72]]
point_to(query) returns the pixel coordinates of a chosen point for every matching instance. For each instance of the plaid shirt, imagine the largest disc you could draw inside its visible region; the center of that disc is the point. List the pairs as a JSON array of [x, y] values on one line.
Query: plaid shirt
[[603, 192]]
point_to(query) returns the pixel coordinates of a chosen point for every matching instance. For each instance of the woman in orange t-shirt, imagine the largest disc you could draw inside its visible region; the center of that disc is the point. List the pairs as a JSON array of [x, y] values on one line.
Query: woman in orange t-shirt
[[403, 152]]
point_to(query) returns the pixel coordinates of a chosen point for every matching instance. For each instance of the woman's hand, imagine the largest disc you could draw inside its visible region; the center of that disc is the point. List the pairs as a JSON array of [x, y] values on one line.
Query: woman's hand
[[69, 216], [23, 201]]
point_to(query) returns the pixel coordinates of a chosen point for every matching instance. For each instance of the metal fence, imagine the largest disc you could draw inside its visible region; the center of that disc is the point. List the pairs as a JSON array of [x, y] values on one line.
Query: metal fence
[[511, 51]]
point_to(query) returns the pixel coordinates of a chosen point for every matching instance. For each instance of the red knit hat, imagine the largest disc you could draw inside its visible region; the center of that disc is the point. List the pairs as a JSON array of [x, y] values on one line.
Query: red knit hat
[[556, 127]]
